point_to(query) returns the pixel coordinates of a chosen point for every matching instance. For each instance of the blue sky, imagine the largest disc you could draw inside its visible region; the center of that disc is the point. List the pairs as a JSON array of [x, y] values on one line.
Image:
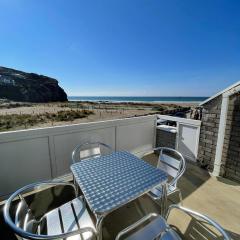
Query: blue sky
[[125, 47]]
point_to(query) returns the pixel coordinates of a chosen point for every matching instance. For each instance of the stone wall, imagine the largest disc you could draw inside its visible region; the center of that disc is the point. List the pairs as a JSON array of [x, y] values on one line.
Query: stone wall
[[209, 132], [231, 149], [230, 166]]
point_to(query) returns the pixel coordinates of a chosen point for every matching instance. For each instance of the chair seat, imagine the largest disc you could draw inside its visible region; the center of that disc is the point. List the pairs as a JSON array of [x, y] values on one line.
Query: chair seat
[[156, 193], [154, 229], [71, 216]]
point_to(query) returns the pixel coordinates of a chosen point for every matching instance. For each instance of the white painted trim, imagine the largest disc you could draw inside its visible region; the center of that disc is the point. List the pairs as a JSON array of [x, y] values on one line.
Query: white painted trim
[[184, 122], [197, 141], [221, 136], [180, 120], [222, 128], [59, 130], [167, 128]]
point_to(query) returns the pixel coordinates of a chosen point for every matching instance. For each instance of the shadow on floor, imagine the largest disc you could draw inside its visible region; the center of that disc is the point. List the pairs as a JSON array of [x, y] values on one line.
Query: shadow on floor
[[227, 181], [5, 232], [188, 228], [234, 236], [192, 179], [200, 230]]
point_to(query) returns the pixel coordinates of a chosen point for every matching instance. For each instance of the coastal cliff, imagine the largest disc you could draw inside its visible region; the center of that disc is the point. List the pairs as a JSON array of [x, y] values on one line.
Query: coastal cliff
[[29, 87]]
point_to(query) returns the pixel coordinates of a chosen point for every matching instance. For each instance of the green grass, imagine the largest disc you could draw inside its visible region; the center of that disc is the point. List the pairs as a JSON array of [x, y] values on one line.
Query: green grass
[[8, 122]]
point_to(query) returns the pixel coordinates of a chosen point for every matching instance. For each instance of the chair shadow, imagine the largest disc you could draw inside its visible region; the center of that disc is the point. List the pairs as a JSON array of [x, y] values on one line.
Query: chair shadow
[[49, 199], [191, 180], [201, 230], [5, 231]]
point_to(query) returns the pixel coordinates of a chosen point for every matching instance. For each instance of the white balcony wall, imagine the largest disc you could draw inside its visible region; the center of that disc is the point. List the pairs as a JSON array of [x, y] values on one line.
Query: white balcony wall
[[28, 156], [187, 138]]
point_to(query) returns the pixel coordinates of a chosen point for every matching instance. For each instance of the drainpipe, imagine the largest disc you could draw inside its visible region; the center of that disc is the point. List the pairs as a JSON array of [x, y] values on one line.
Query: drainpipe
[[221, 135], [221, 130]]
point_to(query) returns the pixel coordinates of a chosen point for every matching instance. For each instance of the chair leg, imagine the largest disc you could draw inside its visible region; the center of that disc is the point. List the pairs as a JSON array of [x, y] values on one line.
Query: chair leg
[[76, 185], [179, 195], [164, 200]]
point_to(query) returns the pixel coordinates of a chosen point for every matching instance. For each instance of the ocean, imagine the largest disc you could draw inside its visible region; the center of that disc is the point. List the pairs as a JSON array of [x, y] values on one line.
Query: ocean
[[138, 99]]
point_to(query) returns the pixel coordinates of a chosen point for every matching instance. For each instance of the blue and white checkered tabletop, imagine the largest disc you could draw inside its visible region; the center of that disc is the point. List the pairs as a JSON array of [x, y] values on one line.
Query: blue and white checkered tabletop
[[113, 180]]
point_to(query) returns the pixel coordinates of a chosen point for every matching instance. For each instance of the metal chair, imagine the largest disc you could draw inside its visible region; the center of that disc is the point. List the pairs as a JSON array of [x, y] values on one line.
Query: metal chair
[[173, 163], [89, 150], [69, 221], [156, 227]]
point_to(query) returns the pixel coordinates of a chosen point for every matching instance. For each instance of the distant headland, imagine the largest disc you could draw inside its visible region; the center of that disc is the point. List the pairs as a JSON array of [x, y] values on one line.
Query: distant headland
[[29, 87]]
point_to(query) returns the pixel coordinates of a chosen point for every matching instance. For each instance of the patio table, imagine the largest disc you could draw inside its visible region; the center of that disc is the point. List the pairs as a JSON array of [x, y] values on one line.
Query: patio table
[[111, 181]]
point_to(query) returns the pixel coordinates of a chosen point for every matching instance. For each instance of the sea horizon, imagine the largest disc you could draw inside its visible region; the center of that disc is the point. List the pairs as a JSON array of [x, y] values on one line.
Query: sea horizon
[[138, 99]]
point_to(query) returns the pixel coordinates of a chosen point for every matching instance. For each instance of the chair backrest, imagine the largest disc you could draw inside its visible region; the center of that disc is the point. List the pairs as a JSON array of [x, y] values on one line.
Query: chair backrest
[[23, 222], [172, 162], [24, 218], [89, 150], [155, 227], [201, 226]]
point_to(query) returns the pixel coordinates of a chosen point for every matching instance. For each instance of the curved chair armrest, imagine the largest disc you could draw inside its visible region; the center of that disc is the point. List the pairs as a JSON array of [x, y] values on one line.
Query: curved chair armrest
[[201, 216], [135, 225], [33, 236], [19, 193], [157, 148]]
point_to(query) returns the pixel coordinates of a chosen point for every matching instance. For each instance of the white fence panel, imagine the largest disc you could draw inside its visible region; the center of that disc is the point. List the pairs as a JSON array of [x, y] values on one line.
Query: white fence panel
[[28, 156], [187, 138], [22, 162], [137, 138], [65, 143]]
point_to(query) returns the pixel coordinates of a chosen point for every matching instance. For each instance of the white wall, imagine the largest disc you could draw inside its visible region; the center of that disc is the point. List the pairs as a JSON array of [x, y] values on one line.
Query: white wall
[[28, 156], [187, 138]]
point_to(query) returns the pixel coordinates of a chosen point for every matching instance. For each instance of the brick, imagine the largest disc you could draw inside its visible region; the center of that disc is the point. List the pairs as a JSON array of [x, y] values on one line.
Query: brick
[[208, 154], [208, 141], [229, 171], [210, 124], [208, 149], [209, 133]]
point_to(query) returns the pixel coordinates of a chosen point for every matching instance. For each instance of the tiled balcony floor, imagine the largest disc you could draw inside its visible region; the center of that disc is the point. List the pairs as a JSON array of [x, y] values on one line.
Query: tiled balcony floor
[[218, 198]]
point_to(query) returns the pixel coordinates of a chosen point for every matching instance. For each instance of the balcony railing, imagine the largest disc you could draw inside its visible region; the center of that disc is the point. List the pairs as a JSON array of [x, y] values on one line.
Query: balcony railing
[[40, 154]]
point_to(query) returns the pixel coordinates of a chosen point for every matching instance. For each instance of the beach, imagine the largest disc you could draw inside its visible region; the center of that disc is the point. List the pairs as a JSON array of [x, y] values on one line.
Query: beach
[[27, 115]]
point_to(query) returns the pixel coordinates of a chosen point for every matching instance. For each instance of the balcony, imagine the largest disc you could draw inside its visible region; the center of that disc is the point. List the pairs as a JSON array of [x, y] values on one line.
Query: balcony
[[41, 154]]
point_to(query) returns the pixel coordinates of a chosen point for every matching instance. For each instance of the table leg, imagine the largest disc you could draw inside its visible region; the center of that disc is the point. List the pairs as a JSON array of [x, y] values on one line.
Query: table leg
[[99, 226], [164, 200]]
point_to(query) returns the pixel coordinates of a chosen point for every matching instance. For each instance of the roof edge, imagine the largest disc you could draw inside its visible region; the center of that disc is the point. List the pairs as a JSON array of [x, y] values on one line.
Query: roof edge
[[220, 93]]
